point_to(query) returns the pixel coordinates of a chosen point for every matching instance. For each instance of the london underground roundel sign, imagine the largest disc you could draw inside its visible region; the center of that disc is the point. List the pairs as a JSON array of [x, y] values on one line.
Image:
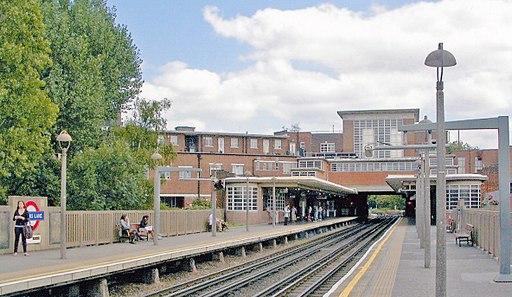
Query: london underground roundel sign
[[33, 209]]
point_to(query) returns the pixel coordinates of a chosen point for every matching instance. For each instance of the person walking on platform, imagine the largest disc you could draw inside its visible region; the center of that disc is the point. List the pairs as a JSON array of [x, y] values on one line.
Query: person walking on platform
[[294, 214], [286, 214], [320, 213], [310, 213], [21, 217], [316, 213]]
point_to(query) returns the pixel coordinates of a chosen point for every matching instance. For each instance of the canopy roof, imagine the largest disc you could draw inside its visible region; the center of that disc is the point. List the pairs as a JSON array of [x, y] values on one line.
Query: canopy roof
[[305, 182]]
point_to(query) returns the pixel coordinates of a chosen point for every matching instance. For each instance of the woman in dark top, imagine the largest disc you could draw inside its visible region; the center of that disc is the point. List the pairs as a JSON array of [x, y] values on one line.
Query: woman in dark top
[[20, 216]]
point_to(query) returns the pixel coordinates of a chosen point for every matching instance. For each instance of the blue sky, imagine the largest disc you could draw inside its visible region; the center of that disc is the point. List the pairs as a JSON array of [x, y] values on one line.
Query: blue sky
[[166, 30], [258, 66]]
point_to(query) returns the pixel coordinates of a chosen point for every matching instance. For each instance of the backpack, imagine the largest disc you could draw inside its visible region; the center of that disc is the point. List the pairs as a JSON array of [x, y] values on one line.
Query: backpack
[[27, 230]]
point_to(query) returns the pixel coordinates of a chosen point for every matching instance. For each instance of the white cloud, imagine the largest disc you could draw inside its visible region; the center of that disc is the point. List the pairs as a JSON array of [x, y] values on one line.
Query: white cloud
[[308, 63]]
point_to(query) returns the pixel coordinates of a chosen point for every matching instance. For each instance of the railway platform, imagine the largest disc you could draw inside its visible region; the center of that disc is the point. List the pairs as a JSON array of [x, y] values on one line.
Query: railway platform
[[45, 269], [395, 267]]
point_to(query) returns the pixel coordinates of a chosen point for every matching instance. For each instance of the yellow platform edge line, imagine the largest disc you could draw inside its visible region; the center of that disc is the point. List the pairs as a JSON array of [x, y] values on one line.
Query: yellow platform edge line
[[346, 292], [160, 252]]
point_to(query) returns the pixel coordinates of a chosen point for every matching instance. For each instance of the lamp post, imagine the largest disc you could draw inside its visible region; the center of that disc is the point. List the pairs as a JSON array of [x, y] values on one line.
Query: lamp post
[[274, 212], [64, 142], [156, 198], [440, 58], [247, 175]]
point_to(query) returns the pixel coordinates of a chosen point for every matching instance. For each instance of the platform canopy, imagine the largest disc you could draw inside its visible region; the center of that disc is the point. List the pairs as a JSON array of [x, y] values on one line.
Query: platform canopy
[[407, 182], [303, 182]]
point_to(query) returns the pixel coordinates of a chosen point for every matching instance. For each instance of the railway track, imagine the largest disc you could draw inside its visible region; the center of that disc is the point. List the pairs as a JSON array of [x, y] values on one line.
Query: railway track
[[296, 271]]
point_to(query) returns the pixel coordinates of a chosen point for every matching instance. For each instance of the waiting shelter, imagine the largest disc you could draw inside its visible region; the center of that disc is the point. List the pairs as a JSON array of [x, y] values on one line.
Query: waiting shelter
[[303, 192]]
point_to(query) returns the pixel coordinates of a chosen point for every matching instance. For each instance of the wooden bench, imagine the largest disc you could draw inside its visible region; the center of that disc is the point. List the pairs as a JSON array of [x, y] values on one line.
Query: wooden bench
[[141, 231], [466, 235]]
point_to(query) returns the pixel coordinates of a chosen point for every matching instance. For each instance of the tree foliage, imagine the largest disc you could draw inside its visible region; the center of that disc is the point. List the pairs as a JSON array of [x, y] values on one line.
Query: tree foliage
[[457, 146], [27, 112], [386, 202], [109, 177], [96, 68]]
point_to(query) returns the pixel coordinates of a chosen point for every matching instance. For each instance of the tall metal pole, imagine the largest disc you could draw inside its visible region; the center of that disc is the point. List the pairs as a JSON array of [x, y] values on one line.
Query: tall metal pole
[[426, 198], [274, 217], [214, 212], [504, 192], [440, 59], [247, 204], [156, 204], [440, 194], [420, 226], [63, 223]]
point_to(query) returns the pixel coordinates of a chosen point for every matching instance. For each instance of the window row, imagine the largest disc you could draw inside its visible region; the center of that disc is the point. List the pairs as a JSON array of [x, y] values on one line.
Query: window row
[[240, 196], [374, 166], [470, 194]]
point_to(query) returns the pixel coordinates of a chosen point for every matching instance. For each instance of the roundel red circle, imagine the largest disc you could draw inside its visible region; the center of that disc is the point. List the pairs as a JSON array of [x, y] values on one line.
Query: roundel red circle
[[32, 206]]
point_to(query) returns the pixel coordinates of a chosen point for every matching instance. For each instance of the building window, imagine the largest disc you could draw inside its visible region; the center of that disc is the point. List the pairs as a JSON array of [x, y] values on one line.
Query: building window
[[327, 147], [185, 174], [238, 169], [470, 194], [310, 164], [234, 142], [277, 144], [377, 132], [267, 202], [479, 164], [208, 141], [165, 176], [372, 166], [254, 143], [236, 198], [174, 140], [215, 167], [461, 162]]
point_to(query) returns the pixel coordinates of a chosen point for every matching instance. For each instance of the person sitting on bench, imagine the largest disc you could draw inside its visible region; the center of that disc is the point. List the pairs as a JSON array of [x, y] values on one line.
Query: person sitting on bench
[[221, 225], [124, 222]]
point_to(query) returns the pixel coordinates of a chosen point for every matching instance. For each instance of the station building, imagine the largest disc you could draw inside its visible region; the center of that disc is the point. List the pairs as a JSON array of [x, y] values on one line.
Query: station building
[[306, 169]]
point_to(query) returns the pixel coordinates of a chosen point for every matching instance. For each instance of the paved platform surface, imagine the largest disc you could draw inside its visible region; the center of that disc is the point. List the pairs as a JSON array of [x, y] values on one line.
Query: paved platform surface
[[395, 267], [46, 267]]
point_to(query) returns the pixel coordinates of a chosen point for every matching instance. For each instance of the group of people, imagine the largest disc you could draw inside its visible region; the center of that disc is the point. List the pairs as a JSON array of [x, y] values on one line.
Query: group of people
[[134, 233], [290, 214], [315, 213]]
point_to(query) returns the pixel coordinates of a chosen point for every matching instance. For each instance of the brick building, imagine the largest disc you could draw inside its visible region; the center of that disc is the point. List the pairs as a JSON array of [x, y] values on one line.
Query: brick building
[[307, 169]]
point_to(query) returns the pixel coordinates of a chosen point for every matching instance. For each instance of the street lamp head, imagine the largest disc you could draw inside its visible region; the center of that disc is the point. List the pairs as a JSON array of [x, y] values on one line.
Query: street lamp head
[[64, 139], [440, 58], [156, 156]]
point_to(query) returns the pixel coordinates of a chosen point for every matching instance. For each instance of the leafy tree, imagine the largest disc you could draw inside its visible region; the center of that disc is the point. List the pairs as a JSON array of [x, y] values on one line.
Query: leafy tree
[[109, 177], [457, 146], [386, 202], [27, 112], [96, 68]]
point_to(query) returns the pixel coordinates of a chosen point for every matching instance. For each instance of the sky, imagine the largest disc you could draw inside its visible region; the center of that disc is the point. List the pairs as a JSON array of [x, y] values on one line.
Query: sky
[[259, 66]]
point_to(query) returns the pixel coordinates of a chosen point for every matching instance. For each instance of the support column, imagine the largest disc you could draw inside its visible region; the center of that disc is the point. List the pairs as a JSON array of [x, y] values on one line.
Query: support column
[[99, 289], [151, 276], [274, 243], [260, 246], [242, 252], [286, 240], [192, 265]]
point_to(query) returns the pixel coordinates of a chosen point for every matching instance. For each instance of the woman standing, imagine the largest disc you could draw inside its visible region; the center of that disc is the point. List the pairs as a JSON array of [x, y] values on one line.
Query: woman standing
[[20, 216]]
